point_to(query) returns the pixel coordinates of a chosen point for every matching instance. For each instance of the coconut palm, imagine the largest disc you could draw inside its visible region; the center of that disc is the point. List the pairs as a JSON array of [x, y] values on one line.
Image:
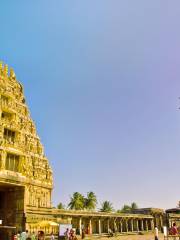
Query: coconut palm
[[106, 206], [77, 201], [90, 201]]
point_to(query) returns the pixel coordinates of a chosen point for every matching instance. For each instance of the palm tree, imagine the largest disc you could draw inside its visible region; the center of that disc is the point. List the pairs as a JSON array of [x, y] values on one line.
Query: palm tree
[[77, 201], [134, 206], [91, 201], [106, 206], [60, 206], [126, 208]]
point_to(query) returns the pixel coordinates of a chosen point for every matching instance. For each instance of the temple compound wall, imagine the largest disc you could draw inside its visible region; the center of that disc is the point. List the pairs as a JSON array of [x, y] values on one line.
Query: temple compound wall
[[26, 177]]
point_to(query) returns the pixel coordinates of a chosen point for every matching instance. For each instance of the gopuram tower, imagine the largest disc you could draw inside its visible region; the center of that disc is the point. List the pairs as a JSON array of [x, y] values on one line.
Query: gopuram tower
[[25, 174]]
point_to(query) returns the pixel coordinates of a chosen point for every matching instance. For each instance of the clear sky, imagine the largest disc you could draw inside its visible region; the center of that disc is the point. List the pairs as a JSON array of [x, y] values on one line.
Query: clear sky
[[102, 80]]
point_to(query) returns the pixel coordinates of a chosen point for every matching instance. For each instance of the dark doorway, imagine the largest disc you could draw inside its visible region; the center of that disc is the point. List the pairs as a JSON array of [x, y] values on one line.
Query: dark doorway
[[12, 205], [2, 200], [2, 205]]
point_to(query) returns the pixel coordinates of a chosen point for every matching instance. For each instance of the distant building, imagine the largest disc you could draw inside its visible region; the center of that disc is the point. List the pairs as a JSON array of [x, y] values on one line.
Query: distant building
[[158, 215], [173, 215]]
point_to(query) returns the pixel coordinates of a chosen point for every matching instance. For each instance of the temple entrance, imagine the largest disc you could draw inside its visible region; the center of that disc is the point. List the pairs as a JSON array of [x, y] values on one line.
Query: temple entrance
[[2, 200], [6, 232], [11, 207]]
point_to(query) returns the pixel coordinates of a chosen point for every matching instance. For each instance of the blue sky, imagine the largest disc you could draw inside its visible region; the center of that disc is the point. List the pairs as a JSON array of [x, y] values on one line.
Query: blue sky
[[102, 80]]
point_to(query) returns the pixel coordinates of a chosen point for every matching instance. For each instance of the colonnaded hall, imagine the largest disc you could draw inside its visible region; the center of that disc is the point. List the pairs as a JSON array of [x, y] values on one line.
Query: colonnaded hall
[[26, 178]]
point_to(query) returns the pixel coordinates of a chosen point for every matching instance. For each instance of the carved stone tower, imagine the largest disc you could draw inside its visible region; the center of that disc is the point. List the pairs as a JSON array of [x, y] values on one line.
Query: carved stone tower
[[25, 174]]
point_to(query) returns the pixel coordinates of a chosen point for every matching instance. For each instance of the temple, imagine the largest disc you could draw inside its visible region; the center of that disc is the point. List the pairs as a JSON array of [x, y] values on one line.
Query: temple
[[25, 174], [26, 180]]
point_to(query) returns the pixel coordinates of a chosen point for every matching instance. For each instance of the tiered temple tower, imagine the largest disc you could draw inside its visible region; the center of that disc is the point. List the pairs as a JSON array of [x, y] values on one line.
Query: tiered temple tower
[[25, 174]]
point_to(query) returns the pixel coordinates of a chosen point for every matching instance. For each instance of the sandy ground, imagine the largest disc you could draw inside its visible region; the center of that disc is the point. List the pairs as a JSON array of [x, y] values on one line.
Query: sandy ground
[[149, 236], [139, 237], [132, 237]]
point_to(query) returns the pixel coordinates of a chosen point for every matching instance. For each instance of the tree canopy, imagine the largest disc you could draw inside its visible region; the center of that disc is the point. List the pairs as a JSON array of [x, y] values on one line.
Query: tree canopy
[[134, 206], [61, 206], [90, 201], [76, 201], [128, 208], [106, 206], [79, 202]]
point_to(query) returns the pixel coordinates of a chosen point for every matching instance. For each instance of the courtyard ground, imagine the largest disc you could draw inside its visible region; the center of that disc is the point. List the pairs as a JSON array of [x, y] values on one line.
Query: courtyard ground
[[149, 236], [130, 237], [137, 237]]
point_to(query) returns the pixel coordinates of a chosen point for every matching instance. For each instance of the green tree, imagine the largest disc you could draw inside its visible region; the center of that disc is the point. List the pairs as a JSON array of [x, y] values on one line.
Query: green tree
[[134, 206], [60, 206], [126, 208], [90, 201], [76, 201], [106, 206]]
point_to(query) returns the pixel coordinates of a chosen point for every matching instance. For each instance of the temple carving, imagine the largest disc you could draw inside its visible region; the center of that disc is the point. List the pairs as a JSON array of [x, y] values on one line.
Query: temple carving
[[25, 174]]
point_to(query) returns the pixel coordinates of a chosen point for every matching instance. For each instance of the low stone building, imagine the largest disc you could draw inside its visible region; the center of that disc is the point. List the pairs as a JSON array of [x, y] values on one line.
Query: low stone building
[[157, 214], [92, 222], [101, 222]]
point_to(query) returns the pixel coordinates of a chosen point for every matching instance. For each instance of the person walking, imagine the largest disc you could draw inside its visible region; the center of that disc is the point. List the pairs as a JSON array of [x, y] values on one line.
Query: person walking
[[83, 233], [52, 237], [33, 236], [19, 235], [23, 236], [156, 233], [66, 234]]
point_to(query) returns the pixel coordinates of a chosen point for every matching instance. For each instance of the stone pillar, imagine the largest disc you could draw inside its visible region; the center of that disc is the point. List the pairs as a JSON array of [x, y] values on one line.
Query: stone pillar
[[161, 222], [2, 160], [99, 226], [152, 224], [146, 223], [80, 226], [137, 225], [142, 225], [90, 226], [115, 227], [108, 225], [170, 224], [126, 222], [121, 226], [132, 227]]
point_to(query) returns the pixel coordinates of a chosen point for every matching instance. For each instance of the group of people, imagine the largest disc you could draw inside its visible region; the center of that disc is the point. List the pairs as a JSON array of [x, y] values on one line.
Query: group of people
[[70, 234], [27, 236], [173, 231]]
